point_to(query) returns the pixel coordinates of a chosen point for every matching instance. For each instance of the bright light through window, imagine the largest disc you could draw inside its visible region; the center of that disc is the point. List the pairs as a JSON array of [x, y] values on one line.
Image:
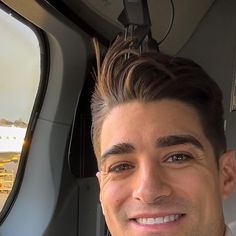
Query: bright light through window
[[19, 81]]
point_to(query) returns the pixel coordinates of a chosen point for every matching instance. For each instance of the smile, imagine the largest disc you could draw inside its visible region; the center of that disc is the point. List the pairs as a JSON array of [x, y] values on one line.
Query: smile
[[158, 220]]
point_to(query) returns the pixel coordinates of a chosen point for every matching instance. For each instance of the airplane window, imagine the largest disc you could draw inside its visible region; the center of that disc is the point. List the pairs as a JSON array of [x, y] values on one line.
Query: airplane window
[[19, 83]]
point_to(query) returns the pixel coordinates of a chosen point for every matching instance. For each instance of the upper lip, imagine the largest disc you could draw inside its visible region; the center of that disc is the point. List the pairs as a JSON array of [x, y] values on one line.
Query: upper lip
[[154, 215]]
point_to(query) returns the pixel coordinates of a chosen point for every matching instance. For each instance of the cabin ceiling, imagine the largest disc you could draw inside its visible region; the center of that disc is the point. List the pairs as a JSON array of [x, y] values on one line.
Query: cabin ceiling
[[101, 17], [188, 13]]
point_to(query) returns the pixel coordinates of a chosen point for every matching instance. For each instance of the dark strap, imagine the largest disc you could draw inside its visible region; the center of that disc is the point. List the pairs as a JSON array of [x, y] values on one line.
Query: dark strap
[[135, 18]]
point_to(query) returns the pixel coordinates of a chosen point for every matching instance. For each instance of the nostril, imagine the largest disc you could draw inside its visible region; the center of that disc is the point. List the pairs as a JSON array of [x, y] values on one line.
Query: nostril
[[151, 189], [151, 194], [151, 182]]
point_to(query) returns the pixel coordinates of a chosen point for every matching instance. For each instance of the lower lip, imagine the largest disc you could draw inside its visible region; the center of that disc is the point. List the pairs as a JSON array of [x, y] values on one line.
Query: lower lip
[[156, 228]]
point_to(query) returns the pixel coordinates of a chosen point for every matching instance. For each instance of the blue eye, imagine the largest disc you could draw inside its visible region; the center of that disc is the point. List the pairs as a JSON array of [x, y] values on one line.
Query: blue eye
[[120, 167], [178, 158]]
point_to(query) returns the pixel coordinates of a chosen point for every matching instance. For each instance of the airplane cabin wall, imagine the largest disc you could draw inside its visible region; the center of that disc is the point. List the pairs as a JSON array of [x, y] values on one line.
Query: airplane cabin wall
[[213, 46]]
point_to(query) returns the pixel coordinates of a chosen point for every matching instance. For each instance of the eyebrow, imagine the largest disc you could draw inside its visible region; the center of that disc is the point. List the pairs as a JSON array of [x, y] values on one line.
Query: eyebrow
[[165, 141], [118, 149], [172, 140]]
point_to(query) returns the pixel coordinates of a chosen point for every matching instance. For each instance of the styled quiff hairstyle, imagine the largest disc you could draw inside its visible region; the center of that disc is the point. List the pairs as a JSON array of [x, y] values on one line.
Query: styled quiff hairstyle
[[127, 74]]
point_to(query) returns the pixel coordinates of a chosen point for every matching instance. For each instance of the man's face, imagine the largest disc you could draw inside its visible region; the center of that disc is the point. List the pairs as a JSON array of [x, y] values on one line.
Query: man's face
[[158, 172]]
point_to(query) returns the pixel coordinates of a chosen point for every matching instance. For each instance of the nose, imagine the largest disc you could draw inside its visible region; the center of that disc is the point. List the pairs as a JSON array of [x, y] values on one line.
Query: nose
[[151, 184]]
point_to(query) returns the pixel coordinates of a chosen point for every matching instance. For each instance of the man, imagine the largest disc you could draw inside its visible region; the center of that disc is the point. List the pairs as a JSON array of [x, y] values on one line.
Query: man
[[158, 135]]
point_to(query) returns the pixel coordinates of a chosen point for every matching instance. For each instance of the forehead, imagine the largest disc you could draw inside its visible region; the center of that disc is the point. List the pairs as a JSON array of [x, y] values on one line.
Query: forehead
[[135, 121]]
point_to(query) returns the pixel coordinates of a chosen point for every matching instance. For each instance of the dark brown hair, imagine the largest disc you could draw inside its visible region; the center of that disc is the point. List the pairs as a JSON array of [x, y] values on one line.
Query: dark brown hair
[[127, 74]]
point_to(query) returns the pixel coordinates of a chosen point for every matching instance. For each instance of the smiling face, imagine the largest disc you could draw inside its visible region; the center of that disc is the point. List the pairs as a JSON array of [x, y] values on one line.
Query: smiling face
[[158, 174]]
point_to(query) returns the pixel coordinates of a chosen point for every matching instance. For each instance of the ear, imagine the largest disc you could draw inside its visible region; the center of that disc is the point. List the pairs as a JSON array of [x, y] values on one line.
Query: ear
[[98, 175], [227, 165]]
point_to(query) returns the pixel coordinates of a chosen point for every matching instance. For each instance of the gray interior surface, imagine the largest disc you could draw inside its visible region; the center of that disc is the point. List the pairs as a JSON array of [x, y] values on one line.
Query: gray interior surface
[[161, 14], [89, 208], [40, 204], [213, 46]]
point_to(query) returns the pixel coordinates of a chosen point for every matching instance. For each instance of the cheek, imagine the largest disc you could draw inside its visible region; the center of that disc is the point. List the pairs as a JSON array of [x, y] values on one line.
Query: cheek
[[204, 189], [113, 197], [196, 183], [113, 194]]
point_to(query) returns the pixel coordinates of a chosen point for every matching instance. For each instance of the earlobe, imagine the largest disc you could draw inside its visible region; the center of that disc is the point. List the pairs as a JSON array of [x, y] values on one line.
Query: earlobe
[[98, 175], [227, 165]]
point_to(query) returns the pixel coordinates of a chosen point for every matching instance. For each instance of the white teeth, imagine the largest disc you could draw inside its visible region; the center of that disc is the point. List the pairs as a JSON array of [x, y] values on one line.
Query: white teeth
[[166, 219], [172, 218], [158, 220]]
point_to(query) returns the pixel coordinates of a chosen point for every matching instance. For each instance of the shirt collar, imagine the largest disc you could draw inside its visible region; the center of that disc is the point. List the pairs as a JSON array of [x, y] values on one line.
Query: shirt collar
[[228, 232]]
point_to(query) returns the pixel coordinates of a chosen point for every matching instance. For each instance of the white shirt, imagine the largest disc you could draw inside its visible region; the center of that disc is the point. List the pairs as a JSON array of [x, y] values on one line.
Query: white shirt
[[229, 232], [231, 229]]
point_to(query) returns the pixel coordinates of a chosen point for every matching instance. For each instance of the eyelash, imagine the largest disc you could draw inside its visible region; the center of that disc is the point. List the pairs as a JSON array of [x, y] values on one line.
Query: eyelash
[[118, 168], [184, 158]]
